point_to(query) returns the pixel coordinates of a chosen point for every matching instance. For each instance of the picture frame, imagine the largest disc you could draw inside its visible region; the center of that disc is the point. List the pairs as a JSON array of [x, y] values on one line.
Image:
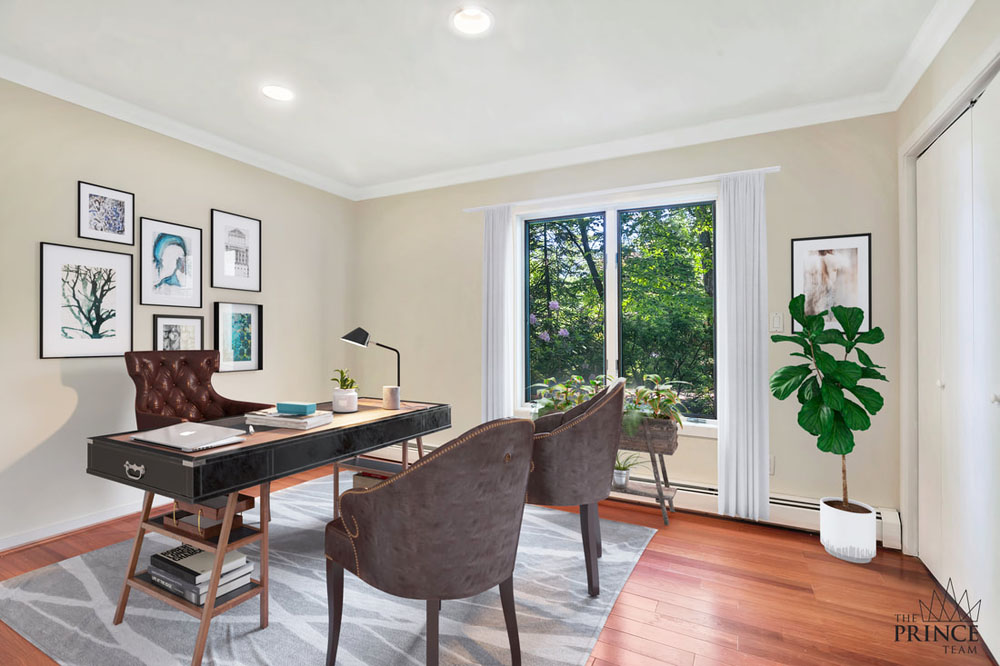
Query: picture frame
[[236, 251], [105, 214], [170, 263], [833, 270], [85, 302], [239, 336], [178, 332]]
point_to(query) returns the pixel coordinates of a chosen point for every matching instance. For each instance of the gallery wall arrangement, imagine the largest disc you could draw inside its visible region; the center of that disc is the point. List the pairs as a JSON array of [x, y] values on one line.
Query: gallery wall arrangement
[[86, 295]]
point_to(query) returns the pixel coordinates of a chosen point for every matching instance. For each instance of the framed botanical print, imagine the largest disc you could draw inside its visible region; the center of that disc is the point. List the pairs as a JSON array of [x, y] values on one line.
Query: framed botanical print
[[85, 302], [105, 214], [178, 333], [833, 270], [169, 264], [239, 336], [235, 251]]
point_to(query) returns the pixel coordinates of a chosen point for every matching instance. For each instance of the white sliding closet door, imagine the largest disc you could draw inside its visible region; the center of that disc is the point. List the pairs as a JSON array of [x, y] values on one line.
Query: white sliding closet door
[[983, 489]]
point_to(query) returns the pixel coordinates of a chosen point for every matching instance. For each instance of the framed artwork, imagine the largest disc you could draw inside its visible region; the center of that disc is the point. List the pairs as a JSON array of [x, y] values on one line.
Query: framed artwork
[[833, 270], [235, 251], [85, 302], [239, 336], [169, 264], [178, 333], [105, 214]]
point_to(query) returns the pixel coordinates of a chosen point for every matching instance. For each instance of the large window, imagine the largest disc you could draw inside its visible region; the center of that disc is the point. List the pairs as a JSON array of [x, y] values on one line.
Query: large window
[[656, 301], [564, 299]]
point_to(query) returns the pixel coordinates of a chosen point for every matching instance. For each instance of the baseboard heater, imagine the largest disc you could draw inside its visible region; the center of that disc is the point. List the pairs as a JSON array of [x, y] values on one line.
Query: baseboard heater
[[801, 513]]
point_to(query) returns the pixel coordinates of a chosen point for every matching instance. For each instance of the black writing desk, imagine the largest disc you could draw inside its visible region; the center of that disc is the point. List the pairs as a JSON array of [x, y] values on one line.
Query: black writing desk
[[266, 455]]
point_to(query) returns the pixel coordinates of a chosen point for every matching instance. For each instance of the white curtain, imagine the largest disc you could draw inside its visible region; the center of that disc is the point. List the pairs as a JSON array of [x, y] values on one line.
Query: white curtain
[[744, 456], [498, 309]]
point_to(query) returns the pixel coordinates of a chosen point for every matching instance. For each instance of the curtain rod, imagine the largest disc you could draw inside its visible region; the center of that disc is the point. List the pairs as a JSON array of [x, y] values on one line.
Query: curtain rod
[[630, 188]]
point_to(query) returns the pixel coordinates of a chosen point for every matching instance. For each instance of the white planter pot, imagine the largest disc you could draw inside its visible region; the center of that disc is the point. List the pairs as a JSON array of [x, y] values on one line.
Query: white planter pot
[[620, 479], [845, 535], [345, 400]]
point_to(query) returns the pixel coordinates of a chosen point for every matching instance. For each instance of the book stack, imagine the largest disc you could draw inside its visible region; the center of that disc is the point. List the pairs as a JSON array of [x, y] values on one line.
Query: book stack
[[272, 418], [186, 571]]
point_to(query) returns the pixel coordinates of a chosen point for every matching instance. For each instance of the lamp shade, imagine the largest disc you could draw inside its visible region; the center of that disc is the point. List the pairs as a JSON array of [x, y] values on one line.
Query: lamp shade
[[358, 336]]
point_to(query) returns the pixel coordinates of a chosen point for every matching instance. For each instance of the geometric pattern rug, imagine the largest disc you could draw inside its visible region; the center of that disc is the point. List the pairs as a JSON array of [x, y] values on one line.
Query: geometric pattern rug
[[66, 609]]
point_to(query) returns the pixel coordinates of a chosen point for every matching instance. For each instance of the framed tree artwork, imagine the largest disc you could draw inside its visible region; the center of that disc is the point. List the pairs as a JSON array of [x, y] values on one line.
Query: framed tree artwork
[[239, 336], [85, 302], [169, 264], [833, 270], [236, 251], [178, 333], [105, 214]]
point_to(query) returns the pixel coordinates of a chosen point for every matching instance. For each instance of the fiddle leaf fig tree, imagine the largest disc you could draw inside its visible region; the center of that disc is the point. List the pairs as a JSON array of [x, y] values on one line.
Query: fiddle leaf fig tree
[[834, 402]]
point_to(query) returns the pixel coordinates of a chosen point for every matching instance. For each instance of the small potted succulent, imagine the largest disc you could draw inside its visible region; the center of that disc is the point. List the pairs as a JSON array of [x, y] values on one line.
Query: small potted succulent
[[622, 467], [835, 404], [652, 417], [345, 395]]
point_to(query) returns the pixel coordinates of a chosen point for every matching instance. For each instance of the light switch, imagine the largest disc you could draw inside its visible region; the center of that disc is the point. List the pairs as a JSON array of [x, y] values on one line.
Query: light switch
[[776, 324]]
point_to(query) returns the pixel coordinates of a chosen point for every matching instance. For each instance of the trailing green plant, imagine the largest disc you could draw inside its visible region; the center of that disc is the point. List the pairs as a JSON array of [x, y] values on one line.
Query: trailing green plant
[[824, 384], [628, 462], [343, 380], [553, 396], [660, 401]]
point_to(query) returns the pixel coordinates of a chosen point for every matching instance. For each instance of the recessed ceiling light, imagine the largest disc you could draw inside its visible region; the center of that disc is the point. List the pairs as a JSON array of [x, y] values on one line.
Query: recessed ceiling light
[[279, 93], [472, 21]]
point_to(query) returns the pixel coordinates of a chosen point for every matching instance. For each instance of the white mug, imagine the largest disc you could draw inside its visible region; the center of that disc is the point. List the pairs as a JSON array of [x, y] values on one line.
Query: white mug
[[390, 397]]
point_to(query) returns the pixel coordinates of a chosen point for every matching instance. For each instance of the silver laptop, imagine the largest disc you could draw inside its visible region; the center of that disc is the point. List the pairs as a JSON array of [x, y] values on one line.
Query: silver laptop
[[191, 436]]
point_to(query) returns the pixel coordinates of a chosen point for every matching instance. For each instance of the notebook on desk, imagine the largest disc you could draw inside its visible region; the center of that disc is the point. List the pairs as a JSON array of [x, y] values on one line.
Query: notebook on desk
[[191, 436]]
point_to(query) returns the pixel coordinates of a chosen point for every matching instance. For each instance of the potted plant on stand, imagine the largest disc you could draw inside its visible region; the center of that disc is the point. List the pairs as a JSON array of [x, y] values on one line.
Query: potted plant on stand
[[622, 467], [345, 395], [652, 416], [826, 388]]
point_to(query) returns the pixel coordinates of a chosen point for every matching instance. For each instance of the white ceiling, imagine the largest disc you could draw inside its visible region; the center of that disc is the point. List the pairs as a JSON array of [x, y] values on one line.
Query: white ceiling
[[390, 100]]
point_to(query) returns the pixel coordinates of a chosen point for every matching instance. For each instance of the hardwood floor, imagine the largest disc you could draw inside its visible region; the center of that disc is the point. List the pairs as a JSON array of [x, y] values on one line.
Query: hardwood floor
[[707, 591]]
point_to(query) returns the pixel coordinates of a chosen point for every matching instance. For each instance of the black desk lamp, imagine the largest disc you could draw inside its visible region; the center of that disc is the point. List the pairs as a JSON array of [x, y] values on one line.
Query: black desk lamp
[[363, 338]]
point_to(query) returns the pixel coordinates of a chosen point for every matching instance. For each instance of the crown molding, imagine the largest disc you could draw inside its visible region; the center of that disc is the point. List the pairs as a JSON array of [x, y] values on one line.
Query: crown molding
[[52, 84], [935, 31], [801, 116]]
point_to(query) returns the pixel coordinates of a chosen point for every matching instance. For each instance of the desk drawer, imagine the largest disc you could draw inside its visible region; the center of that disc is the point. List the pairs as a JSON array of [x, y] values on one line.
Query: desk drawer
[[148, 471]]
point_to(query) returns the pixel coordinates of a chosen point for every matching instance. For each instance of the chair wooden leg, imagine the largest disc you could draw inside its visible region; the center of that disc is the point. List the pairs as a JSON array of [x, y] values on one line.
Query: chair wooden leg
[[147, 505], [597, 531], [336, 491], [335, 608], [588, 527], [510, 619], [433, 607]]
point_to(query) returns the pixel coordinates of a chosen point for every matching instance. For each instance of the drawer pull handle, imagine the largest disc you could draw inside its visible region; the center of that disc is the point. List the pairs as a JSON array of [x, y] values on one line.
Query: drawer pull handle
[[134, 471]]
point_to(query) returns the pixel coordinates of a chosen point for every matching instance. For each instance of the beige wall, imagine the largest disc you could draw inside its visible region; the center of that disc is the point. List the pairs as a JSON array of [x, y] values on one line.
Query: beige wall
[[419, 269], [978, 35], [50, 406]]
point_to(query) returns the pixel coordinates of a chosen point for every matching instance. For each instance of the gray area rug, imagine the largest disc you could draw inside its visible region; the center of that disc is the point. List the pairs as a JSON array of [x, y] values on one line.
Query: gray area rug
[[66, 609]]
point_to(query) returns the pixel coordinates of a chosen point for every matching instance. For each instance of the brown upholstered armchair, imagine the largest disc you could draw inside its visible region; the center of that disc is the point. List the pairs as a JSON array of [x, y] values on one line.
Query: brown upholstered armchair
[[574, 457], [176, 386], [446, 528]]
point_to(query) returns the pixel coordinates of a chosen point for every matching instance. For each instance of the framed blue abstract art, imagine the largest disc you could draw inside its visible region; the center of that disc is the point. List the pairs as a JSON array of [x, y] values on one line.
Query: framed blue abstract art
[[169, 264], [239, 331], [105, 214]]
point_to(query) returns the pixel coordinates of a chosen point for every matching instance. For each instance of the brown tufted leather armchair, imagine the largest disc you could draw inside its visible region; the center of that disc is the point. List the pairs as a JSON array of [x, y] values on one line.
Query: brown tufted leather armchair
[[176, 386], [574, 456], [446, 528]]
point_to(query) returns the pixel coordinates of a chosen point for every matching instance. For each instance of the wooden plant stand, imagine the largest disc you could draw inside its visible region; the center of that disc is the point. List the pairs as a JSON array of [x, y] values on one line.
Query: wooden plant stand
[[228, 539]]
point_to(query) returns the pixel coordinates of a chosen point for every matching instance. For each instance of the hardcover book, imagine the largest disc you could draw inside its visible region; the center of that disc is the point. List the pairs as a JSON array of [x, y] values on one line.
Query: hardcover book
[[194, 565], [194, 596], [180, 586]]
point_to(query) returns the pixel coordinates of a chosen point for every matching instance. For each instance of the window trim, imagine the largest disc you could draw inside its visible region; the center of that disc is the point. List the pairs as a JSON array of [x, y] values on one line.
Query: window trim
[[669, 196]]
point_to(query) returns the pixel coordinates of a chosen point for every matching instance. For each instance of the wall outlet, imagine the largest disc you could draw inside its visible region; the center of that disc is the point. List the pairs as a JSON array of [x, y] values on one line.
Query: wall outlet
[[772, 465], [777, 325]]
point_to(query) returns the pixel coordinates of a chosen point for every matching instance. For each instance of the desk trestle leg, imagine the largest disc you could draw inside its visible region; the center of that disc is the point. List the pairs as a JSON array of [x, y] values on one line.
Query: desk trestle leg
[[213, 585], [133, 560]]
